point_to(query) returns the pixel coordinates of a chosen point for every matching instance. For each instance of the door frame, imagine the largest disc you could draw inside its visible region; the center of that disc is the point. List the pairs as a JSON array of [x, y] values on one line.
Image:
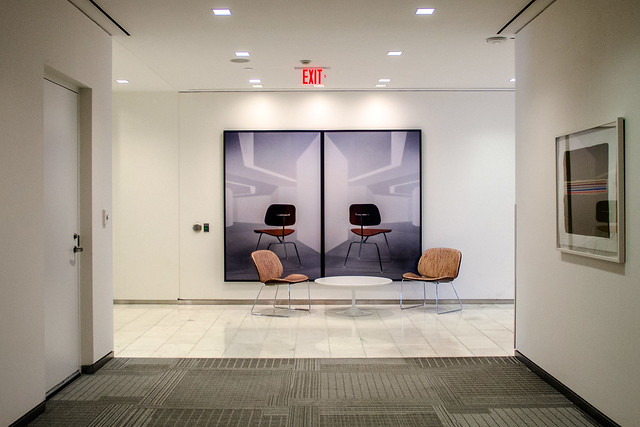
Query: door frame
[[85, 217], [63, 371]]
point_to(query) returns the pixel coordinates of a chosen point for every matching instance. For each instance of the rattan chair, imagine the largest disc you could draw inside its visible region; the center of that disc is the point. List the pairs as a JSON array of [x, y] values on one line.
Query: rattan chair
[[281, 216], [365, 215], [270, 272], [436, 265]]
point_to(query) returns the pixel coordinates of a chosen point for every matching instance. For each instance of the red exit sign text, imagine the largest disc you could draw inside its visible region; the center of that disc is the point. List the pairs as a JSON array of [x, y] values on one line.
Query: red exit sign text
[[312, 76]]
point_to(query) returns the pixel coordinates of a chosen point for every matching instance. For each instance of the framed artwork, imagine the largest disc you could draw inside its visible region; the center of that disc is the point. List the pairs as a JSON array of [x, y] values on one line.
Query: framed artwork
[[590, 192], [297, 192], [372, 183], [272, 182]]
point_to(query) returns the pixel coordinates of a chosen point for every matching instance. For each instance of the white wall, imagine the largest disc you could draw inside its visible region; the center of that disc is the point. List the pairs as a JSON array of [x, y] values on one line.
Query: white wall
[[577, 66], [468, 171], [35, 35], [145, 196]]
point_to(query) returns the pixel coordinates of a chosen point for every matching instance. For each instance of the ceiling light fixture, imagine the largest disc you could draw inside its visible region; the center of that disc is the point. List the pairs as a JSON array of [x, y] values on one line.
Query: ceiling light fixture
[[242, 53], [221, 12], [512, 79], [257, 86], [394, 53], [384, 80], [255, 81], [382, 85], [422, 11], [122, 81]]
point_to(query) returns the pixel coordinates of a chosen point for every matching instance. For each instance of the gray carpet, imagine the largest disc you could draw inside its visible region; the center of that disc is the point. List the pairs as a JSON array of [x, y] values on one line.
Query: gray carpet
[[489, 391]]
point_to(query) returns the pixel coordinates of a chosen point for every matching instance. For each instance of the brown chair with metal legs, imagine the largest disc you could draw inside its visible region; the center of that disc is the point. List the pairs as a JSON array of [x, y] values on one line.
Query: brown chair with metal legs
[[436, 265], [270, 272], [365, 215], [281, 216]]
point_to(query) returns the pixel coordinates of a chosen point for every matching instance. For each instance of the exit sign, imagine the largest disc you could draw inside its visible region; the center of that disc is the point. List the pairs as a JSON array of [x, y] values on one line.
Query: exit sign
[[312, 76]]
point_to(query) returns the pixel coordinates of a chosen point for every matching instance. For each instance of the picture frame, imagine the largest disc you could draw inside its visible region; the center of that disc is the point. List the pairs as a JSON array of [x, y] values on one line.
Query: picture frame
[[317, 177], [590, 186]]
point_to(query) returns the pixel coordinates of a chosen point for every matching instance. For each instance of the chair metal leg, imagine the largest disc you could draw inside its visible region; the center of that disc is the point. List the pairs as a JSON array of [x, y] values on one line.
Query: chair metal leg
[[275, 297], [347, 257], [379, 259], [286, 255], [424, 292], [363, 242], [289, 305], [259, 237], [424, 300], [388, 247], [448, 311], [297, 253], [255, 301], [254, 313]]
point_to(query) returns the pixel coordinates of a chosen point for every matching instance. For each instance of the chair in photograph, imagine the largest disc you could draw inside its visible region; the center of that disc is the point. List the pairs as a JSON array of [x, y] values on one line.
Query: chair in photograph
[[366, 215], [281, 216], [436, 265], [270, 272]]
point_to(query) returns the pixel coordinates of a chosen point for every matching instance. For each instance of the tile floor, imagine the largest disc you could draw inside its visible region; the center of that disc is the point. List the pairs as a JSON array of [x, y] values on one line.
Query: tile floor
[[143, 330]]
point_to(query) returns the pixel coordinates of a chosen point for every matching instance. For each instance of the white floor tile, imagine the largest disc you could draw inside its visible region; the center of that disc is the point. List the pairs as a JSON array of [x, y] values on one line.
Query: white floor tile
[[163, 330]]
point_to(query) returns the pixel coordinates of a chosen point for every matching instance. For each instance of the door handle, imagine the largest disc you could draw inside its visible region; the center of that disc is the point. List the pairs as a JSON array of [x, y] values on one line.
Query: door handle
[[77, 247]]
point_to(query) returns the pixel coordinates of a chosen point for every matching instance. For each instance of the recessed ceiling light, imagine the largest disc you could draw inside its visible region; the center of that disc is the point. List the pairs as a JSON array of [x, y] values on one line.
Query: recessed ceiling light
[[242, 53], [382, 85], [512, 79], [394, 53], [255, 81], [248, 68], [384, 80], [221, 12], [122, 81], [425, 11], [257, 86]]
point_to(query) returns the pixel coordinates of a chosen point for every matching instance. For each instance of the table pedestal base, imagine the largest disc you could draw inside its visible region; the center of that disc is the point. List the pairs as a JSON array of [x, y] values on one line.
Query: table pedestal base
[[353, 283], [353, 311]]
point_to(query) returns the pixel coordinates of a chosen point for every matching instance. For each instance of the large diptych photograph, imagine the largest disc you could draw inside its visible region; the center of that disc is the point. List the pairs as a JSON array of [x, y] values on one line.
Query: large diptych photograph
[[272, 200], [372, 202], [328, 203]]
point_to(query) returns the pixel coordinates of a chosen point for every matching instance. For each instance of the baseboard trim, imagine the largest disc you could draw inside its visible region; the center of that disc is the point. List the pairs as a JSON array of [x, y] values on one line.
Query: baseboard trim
[[92, 369], [304, 301], [591, 410], [38, 410], [30, 416]]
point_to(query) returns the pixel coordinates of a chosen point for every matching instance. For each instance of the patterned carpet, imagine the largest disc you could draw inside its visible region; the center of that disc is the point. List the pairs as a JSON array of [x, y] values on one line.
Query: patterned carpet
[[491, 391]]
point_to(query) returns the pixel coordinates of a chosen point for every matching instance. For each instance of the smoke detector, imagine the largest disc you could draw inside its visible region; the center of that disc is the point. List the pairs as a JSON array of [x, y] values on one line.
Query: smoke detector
[[496, 40], [305, 61]]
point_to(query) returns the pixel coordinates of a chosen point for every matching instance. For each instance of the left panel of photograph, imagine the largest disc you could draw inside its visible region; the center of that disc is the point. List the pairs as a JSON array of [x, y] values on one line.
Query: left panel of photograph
[[272, 200]]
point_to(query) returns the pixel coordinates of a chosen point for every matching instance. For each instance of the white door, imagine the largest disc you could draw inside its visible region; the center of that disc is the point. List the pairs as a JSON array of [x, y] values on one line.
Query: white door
[[62, 313]]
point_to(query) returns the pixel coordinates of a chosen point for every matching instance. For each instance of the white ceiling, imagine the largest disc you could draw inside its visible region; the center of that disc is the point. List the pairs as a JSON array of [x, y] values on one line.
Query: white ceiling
[[182, 46]]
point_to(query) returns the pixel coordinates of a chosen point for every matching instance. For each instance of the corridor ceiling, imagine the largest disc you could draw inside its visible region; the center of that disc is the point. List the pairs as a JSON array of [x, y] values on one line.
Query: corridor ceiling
[[183, 46]]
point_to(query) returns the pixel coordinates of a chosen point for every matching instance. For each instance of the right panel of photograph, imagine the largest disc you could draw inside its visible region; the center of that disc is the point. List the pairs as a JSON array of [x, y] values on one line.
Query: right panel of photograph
[[372, 202]]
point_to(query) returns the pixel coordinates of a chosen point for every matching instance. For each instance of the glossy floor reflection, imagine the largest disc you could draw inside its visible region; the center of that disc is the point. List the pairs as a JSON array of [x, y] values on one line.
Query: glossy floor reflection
[[143, 330]]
